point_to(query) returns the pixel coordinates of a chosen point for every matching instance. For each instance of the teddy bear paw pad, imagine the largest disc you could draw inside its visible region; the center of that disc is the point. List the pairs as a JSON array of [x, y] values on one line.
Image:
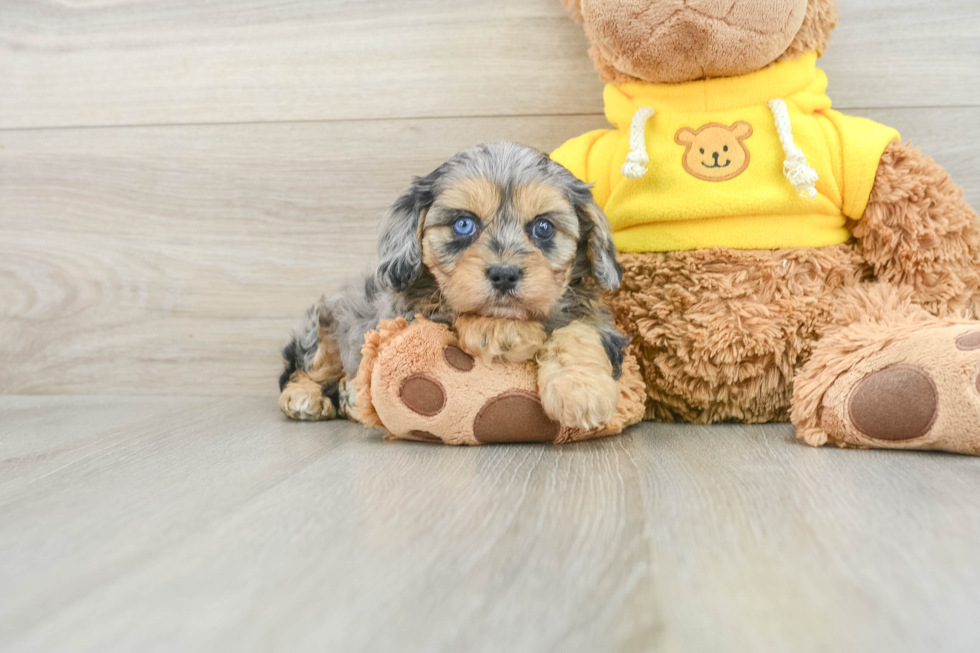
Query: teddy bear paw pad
[[514, 416], [458, 359], [897, 403], [423, 394], [968, 341], [922, 391]]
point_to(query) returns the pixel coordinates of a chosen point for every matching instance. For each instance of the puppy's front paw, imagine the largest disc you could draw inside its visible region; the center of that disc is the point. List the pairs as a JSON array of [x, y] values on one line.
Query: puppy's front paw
[[303, 400], [498, 339], [575, 379], [583, 398], [347, 399]]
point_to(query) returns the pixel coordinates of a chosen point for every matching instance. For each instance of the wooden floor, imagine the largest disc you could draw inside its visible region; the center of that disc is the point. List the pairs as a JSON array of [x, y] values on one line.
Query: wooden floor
[[180, 179], [152, 524]]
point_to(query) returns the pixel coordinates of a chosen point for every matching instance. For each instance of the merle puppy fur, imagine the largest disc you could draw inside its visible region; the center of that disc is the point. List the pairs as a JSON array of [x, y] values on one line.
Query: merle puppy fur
[[497, 235]]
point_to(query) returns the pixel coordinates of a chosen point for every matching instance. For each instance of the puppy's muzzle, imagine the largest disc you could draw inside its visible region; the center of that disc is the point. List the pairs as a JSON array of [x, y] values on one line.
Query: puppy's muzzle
[[504, 278]]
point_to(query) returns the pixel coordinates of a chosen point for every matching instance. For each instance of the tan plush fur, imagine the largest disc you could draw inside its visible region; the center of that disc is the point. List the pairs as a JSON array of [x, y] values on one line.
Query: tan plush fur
[[399, 350], [907, 336], [918, 232], [760, 336], [723, 334], [720, 333], [364, 412], [814, 34], [673, 41]]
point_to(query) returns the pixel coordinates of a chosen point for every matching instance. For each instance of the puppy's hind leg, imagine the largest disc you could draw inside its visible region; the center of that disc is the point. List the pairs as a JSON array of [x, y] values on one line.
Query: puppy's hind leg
[[310, 383]]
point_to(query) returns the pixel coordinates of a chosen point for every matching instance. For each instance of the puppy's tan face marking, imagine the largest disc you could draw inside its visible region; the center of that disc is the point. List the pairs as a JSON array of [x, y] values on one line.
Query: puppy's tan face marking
[[501, 251], [477, 195], [534, 199]]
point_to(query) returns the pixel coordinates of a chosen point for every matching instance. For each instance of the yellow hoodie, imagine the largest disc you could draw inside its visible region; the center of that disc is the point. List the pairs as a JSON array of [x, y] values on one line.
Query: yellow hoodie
[[708, 166]]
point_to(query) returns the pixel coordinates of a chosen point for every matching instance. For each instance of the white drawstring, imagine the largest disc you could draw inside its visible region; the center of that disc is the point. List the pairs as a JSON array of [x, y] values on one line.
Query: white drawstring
[[795, 167], [637, 159]]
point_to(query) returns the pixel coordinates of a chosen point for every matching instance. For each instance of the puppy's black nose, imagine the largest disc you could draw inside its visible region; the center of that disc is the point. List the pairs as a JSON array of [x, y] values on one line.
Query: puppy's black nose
[[503, 277], [716, 156]]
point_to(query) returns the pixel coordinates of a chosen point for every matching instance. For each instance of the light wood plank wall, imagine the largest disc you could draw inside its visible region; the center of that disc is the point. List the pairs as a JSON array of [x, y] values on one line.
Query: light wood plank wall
[[179, 180]]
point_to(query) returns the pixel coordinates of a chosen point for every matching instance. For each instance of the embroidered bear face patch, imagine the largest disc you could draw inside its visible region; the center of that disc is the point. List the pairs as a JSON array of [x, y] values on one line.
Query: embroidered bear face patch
[[715, 152]]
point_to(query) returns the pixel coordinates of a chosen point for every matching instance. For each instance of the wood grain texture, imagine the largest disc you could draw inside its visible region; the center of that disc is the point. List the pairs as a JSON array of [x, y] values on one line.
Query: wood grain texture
[[124, 62], [174, 260], [905, 53], [181, 524], [180, 179]]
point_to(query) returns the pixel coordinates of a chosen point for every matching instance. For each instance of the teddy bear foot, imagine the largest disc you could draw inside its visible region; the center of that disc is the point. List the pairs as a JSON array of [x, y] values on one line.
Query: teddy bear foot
[[915, 389], [418, 384]]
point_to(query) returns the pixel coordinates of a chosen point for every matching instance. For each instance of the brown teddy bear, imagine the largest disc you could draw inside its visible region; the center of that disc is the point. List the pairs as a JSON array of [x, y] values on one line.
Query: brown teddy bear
[[782, 260]]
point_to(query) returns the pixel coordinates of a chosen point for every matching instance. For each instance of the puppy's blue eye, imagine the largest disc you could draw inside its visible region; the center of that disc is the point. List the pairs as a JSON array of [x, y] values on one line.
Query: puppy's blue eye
[[464, 227], [543, 230]]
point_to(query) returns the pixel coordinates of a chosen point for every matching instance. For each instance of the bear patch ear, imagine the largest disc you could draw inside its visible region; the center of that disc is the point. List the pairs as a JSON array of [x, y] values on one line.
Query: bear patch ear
[[741, 130], [686, 136]]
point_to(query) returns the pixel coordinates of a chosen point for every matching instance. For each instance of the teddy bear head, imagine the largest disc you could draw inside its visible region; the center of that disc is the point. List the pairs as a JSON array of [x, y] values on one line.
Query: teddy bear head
[[674, 41]]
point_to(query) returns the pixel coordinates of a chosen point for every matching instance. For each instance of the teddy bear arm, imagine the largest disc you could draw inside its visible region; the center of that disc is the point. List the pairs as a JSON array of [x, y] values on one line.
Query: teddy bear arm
[[918, 232]]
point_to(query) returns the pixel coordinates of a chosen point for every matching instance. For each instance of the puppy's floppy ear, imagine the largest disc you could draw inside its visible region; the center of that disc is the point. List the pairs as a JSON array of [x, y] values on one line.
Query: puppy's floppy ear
[[399, 246], [595, 227]]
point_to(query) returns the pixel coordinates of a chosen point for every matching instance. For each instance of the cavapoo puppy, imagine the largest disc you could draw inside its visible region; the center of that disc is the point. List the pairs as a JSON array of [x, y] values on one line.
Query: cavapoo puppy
[[510, 249]]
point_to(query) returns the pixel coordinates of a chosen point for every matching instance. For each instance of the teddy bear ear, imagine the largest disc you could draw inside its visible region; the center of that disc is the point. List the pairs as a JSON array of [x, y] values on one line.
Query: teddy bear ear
[[574, 9], [685, 136], [814, 34], [741, 130]]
